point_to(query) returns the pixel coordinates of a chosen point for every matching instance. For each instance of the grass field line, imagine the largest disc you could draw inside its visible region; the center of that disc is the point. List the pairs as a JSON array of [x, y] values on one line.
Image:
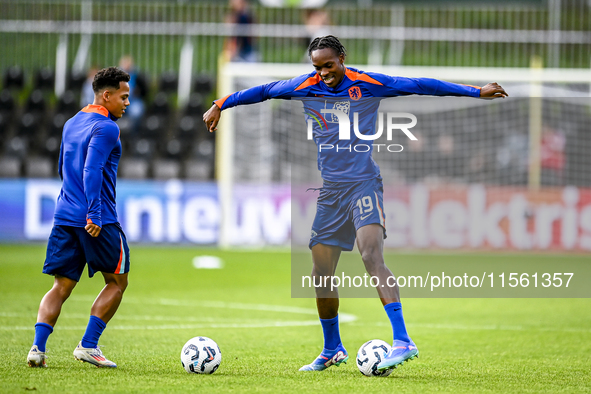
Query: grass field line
[[66, 315], [493, 327], [179, 326], [344, 317], [236, 323]]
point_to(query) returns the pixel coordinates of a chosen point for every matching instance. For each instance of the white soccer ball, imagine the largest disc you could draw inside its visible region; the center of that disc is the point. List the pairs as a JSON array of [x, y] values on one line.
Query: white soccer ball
[[201, 355], [370, 354]]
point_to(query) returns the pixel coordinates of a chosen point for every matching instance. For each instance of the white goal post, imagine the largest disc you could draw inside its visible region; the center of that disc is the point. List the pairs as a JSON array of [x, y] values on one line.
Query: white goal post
[[245, 140]]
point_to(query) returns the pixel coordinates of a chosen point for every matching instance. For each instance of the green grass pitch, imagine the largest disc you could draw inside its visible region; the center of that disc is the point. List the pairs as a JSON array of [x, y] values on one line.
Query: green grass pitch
[[466, 345]]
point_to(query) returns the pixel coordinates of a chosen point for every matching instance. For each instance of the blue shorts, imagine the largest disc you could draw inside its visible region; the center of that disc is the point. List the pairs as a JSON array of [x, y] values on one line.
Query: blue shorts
[[70, 248], [343, 208]]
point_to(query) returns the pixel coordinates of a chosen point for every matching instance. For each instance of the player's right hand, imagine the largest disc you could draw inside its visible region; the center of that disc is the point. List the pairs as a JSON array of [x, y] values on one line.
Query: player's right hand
[[212, 117], [92, 229], [492, 90]]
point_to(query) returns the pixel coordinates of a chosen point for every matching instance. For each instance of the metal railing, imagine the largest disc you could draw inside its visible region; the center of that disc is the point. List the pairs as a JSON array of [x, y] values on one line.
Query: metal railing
[[97, 32]]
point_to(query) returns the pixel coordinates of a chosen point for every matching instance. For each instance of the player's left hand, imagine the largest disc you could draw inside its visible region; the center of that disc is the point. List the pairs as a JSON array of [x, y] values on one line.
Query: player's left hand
[[92, 229], [492, 90], [212, 117]]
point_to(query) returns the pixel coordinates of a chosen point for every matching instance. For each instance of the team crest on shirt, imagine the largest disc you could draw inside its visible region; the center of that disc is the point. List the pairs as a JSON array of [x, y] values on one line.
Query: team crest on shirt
[[355, 92]]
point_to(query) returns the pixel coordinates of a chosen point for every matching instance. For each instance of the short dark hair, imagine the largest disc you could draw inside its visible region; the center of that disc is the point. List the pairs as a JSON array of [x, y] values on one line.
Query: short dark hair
[[109, 77], [327, 42]]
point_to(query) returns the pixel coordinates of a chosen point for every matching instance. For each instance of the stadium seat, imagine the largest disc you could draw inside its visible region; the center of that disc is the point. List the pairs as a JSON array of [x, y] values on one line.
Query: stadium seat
[[163, 169], [189, 128], [36, 102], [134, 168], [195, 107], [204, 150], [6, 101], [10, 167], [57, 124], [52, 147], [160, 105], [169, 82], [29, 124], [174, 148], [197, 170], [154, 127], [125, 125], [6, 112], [39, 167], [204, 84], [76, 80], [14, 78], [17, 147], [169, 148], [200, 166], [45, 79], [143, 148], [51, 144], [4, 125], [67, 104], [142, 85]]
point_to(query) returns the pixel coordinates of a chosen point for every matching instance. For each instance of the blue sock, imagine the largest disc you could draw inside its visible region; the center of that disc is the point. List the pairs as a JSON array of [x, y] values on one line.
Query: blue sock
[[42, 331], [93, 332], [394, 312], [332, 336]]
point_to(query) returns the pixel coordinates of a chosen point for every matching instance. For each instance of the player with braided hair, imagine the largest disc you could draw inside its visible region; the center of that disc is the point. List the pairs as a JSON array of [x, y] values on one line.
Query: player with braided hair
[[327, 42], [348, 179]]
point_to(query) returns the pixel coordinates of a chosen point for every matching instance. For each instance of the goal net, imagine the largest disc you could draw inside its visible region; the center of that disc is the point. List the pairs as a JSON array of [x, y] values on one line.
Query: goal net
[[534, 141], [267, 136]]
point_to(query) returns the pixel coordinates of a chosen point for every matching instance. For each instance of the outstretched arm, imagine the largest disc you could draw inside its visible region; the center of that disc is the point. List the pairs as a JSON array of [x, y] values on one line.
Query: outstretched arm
[[247, 96], [284, 89], [401, 86], [212, 117], [492, 90]]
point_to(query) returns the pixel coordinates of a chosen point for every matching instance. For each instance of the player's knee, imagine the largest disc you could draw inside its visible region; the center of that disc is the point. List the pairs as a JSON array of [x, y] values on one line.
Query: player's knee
[[370, 255], [118, 281], [122, 284], [372, 259], [64, 286], [64, 292]]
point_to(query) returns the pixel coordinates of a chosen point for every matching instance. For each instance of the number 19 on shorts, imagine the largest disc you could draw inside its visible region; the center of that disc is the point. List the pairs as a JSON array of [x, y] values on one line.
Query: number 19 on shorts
[[365, 205]]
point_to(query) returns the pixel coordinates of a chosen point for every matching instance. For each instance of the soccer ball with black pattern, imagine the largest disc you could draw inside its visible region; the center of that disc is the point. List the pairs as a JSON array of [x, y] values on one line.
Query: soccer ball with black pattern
[[201, 355], [370, 354]]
